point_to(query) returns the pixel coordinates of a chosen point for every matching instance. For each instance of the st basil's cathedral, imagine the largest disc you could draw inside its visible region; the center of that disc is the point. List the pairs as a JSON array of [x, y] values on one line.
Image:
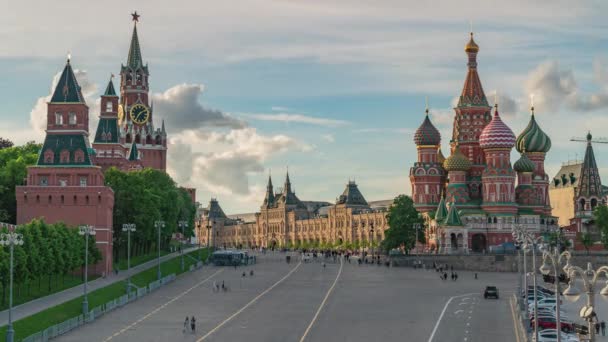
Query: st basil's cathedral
[[472, 199]]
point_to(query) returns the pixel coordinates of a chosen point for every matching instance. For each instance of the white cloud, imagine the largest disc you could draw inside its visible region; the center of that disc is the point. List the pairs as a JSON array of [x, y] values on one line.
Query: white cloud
[[328, 138], [181, 109], [299, 118], [279, 109], [38, 114]]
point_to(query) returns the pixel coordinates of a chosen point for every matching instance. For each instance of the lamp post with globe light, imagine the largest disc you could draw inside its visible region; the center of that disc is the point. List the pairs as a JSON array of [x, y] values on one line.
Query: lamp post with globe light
[[158, 224], [10, 239], [86, 230], [529, 241], [589, 278], [183, 225], [556, 261]]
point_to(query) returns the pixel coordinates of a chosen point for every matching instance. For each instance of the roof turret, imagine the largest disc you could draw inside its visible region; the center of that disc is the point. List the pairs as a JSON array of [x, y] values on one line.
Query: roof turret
[[457, 161], [110, 88], [427, 134], [496, 134], [453, 218], [67, 89], [532, 138], [442, 211], [524, 164]]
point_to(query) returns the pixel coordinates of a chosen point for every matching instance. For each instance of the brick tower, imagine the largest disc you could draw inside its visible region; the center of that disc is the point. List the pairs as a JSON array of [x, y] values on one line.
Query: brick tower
[[65, 185]]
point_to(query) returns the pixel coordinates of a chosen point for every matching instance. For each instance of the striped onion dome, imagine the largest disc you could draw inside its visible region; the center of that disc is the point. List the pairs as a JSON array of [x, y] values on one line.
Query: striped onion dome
[[496, 134], [524, 164], [533, 139], [457, 161], [427, 134]]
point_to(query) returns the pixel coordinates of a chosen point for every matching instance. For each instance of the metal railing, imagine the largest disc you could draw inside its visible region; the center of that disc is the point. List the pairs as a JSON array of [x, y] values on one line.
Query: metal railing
[[97, 312]]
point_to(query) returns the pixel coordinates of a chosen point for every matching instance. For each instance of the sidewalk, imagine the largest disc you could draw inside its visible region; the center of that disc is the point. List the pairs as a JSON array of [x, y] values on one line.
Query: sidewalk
[[40, 304]]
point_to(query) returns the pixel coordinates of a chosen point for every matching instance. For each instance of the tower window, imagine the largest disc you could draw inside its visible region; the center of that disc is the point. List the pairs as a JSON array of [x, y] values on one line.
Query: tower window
[[83, 181], [109, 106], [72, 118], [44, 180], [58, 119]]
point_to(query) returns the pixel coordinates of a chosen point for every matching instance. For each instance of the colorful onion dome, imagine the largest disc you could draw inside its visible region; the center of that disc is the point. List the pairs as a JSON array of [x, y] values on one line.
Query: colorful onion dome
[[496, 134], [524, 164], [471, 45], [457, 161], [427, 134], [532, 138], [440, 157]]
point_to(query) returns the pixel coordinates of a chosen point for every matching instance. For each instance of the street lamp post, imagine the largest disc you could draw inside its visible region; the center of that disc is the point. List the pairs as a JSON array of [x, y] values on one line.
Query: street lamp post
[[371, 229], [128, 227], [520, 234], [556, 260], [416, 227], [198, 238], [86, 230], [589, 278], [10, 239], [183, 225], [159, 224]]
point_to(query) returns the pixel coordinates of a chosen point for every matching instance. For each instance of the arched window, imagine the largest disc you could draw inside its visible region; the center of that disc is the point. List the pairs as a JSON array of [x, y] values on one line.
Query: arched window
[[79, 156], [49, 156], [495, 220], [582, 204], [109, 106], [64, 157], [593, 203]]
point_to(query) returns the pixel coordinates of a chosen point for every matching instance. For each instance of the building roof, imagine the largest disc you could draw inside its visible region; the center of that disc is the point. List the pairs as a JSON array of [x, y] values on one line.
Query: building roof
[[269, 200], [496, 134], [65, 142], [134, 59], [567, 176], [427, 133], [110, 89], [453, 218], [351, 195], [532, 138], [67, 89], [524, 164], [590, 183], [107, 131], [214, 211], [457, 161], [442, 211]]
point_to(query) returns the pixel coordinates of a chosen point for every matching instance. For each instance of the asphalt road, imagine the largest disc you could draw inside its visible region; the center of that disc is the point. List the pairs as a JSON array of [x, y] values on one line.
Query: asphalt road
[[308, 302]]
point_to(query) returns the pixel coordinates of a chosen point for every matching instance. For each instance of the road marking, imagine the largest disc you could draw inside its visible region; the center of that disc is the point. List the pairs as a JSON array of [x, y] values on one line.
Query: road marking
[[458, 311], [162, 306], [514, 321], [445, 307], [250, 303], [314, 319]]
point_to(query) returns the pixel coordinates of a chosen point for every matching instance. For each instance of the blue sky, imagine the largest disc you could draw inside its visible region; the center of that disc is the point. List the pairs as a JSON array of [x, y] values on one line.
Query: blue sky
[[333, 89]]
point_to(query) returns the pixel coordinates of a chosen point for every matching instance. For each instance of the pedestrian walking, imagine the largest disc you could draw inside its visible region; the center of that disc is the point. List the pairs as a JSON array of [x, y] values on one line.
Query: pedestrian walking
[[193, 324], [223, 286], [251, 273], [475, 275], [186, 323], [603, 327], [597, 328], [455, 276], [214, 286]]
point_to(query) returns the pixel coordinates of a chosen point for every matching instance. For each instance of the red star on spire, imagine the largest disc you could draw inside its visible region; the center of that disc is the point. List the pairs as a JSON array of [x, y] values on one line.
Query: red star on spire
[[135, 16]]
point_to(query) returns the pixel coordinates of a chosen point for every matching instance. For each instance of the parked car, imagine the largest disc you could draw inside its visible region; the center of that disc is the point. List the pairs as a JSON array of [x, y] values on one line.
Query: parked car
[[551, 323], [550, 335], [490, 292]]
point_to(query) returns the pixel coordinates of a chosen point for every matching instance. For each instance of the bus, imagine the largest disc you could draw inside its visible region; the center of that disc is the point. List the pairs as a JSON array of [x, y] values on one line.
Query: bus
[[231, 258]]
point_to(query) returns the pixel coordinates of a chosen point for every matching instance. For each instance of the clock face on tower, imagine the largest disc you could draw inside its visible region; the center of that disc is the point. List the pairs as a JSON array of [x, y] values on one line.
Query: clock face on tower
[[140, 114]]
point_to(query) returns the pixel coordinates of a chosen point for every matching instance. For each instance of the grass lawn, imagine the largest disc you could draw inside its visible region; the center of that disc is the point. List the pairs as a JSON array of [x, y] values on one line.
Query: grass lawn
[[62, 312], [140, 259], [57, 285]]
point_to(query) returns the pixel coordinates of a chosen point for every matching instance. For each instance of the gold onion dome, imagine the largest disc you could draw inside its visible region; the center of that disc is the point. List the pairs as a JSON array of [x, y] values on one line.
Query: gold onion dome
[[471, 45], [457, 161], [532, 138], [524, 164]]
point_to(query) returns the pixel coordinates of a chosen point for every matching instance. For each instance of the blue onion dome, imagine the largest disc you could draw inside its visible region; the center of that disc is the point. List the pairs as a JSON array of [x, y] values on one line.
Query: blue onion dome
[[457, 161], [533, 139], [524, 164], [427, 134]]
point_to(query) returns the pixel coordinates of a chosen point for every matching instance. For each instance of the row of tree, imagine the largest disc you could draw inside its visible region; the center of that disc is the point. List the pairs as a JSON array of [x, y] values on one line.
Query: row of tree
[[49, 251], [143, 197]]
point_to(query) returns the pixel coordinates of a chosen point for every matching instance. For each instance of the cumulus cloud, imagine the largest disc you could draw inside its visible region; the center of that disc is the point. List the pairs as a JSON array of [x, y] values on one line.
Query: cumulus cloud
[[328, 138], [299, 118], [228, 159], [38, 115], [180, 106]]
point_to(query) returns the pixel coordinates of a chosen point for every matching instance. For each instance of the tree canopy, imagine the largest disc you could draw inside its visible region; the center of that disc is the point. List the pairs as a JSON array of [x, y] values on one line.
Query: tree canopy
[[5, 143], [401, 218], [142, 197], [601, 220], [13, 171]]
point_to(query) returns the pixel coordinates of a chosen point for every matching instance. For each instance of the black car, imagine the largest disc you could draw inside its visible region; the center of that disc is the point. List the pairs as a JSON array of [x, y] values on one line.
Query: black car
[[490, 292]]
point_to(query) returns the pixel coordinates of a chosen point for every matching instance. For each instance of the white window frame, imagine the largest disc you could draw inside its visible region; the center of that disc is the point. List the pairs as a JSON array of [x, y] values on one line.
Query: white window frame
[[83, 181], [72, 119], [58, 119]]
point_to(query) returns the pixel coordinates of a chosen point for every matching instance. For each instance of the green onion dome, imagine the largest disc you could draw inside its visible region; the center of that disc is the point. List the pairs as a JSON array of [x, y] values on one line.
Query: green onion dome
[[427, 134], [524, 164], [457, 161], [533, 139]]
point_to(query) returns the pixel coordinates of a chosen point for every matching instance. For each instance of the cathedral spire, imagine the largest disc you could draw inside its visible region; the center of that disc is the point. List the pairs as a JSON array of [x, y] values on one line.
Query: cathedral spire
[[472, 92], [287, 183], [110, 88], [589, 183], [67, 89], [269, 198], [134, 60]]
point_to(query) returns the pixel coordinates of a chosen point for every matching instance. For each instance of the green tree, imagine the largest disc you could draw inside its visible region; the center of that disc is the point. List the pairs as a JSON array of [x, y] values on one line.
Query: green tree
[[601, 220], [586, 240], [401, 218], [13, 170], [5, 143]]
